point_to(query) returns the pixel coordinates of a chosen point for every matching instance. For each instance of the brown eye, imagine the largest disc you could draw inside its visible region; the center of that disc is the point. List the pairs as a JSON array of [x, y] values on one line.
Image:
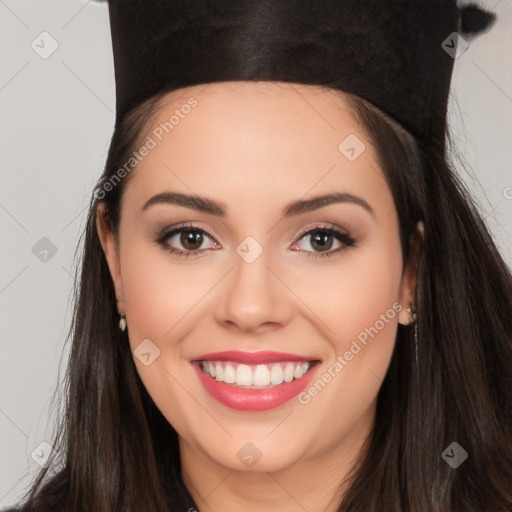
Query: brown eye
[[191, 239], [322, 241], [186, 240]]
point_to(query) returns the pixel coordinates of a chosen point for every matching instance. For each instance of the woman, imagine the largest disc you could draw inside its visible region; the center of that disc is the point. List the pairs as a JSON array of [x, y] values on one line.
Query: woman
[[287, 299]]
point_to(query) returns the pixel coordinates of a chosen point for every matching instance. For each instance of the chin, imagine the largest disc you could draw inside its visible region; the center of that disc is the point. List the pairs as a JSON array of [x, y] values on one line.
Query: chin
[[256, 456]]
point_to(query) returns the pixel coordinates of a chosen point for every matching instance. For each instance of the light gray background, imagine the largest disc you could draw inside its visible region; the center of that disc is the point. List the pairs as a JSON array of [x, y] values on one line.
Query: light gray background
[[57, 118]]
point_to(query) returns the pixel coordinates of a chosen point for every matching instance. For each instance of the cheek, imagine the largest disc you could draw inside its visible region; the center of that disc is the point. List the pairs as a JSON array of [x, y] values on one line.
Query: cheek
[[353, 294], [359, 306], [160, 297], [158, 292], [356, 305]]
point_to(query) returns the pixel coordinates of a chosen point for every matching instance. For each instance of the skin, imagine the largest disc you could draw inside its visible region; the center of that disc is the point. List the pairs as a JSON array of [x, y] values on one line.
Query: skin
[[255, 147]]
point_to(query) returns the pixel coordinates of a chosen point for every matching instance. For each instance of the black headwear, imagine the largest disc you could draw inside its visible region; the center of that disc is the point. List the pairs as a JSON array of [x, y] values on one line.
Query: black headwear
[[397, 54]]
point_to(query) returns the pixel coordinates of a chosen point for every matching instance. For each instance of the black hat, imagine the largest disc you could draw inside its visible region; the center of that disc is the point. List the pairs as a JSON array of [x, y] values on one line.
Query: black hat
[[397, 54]]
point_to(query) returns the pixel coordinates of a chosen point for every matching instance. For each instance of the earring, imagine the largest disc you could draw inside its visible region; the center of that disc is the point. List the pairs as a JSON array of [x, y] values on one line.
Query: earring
[[122, 323], [412, 311]]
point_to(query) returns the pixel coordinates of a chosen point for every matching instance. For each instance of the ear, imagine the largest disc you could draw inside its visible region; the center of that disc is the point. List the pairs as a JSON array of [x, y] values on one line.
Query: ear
[[408, 283], [111, 250]]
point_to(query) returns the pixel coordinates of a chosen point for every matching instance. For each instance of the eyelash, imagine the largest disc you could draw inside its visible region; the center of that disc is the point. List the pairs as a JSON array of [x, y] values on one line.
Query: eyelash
[[347, 241]]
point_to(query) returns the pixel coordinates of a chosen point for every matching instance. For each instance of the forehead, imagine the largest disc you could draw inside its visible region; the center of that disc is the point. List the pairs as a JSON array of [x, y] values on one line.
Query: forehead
[[259, 138], [264, 102]]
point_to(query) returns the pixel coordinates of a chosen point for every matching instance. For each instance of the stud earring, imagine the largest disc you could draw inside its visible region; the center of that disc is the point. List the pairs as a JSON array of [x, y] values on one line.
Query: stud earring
[[412, 312], [122, 323]]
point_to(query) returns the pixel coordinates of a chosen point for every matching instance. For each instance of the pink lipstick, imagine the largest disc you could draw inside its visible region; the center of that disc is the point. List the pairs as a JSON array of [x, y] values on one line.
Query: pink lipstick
[[254, 381]]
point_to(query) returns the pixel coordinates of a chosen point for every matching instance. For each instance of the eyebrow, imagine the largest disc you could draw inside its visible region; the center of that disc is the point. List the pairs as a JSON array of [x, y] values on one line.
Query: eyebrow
[[205, 205]]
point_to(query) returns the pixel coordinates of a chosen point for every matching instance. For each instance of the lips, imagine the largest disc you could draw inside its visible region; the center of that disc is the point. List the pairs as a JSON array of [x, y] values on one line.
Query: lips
[[254, 381]]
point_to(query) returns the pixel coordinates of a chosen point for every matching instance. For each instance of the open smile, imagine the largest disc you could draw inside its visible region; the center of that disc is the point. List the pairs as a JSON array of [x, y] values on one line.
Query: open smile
[[254, 381]]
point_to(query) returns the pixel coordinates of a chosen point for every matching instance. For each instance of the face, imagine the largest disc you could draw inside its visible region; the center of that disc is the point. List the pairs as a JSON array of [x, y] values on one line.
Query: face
[[260, 278]]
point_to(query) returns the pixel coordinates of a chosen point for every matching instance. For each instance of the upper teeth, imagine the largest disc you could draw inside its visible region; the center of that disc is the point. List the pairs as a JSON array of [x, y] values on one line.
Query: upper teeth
[[254, 375]]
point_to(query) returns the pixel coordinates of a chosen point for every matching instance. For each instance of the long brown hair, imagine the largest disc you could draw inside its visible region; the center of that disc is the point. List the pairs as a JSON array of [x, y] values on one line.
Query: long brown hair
[[120, 454]]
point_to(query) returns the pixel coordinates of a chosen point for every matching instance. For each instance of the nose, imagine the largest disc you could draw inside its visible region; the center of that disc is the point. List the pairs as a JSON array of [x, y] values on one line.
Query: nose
[[254, 297]]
